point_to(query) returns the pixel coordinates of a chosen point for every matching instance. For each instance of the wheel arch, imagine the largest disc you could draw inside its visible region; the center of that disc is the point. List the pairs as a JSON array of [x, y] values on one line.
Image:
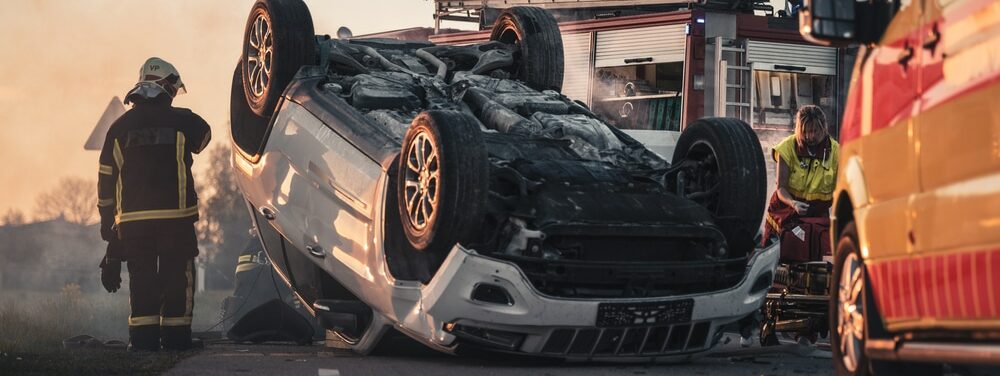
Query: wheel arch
[[850, 201], [843, 213]]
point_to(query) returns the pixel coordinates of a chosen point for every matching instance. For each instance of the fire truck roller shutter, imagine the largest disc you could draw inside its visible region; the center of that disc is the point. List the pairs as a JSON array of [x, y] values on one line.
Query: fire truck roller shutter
[[798, 58], [644, 45]]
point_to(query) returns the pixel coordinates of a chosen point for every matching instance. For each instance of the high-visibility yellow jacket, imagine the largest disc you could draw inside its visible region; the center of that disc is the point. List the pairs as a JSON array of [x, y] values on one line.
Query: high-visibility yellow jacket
[[145, 182], [810, 178]]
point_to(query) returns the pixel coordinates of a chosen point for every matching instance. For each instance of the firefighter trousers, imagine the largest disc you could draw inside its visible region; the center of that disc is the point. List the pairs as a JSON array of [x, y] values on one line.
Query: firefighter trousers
[[161, 287]]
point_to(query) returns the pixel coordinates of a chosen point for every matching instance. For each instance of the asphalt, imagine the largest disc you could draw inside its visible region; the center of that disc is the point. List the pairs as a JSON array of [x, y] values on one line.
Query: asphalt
[[404, 357]]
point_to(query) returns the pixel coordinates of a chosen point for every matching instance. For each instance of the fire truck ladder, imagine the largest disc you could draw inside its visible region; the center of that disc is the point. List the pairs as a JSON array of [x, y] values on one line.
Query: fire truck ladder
[[734, 80], [472, 11]]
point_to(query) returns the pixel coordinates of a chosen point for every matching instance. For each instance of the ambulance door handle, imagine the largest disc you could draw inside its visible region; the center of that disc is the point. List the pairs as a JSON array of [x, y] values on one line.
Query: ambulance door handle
[[267, 212]]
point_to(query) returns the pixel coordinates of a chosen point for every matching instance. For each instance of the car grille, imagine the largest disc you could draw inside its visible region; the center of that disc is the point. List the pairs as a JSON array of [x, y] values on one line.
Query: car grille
[[646, 341], [580, 279]]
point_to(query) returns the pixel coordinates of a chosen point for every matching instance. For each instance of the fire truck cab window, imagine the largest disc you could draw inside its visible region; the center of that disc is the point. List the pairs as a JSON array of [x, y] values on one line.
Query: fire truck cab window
[[646, 96]]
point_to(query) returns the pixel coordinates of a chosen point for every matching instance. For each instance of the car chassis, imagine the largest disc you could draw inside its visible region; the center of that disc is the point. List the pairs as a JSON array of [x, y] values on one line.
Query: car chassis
[[503, 215]]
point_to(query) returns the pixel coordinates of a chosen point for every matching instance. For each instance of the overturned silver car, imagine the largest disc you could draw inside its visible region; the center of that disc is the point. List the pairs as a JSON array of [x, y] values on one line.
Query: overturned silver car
[[453, 194]]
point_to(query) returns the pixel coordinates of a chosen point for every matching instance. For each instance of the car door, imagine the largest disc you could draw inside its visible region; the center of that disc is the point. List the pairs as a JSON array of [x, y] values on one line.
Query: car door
[[957, 215], [279, 192], [324, 202], [889, 93], [339, 229], [266, 182]]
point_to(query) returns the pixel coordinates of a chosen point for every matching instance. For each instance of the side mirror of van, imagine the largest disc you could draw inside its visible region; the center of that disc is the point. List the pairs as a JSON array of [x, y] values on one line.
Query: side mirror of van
[[843, 22], [829, 22]]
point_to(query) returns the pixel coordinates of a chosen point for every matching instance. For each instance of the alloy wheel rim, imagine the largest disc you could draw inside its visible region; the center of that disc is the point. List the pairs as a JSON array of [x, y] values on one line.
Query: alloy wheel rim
[[423, 173], [850, 325], [260, 55]]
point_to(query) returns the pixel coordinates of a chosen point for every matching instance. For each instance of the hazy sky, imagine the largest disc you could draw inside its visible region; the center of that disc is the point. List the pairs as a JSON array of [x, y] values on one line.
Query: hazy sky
[[62, 61]]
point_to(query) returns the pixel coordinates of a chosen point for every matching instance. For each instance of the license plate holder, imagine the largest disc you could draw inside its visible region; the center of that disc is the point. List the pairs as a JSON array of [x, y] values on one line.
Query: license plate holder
[[644, 314]]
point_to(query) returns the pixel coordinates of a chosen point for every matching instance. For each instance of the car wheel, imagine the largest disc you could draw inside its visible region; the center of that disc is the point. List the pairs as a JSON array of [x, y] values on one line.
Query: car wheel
[[725, 173], [248, 129], [847, 309], [539, 53], [442, 180], [277, 41]]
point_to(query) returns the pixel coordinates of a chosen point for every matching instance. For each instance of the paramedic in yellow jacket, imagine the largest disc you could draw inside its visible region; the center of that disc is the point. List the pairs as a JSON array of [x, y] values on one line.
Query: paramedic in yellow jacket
[[807, 173]]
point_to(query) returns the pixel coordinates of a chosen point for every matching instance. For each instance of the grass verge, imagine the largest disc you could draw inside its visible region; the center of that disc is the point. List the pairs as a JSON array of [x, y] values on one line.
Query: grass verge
[[34, 324]]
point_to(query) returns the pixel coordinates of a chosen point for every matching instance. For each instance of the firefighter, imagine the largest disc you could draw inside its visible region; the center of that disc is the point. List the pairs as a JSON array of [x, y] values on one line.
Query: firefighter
[[807, 172], [148, 208]]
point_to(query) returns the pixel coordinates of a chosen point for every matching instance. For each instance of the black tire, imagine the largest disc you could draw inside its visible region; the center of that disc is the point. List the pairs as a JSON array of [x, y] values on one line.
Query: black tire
[[248, 129], [456, 195], [289, 45], [724, 153], [539, 57]]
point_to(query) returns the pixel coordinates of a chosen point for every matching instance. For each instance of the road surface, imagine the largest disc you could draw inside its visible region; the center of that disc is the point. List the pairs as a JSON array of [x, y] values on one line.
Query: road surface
[[404, 357]]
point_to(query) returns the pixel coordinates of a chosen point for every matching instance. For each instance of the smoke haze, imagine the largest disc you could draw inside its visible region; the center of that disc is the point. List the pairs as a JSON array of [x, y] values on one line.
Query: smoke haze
[[61, 61]]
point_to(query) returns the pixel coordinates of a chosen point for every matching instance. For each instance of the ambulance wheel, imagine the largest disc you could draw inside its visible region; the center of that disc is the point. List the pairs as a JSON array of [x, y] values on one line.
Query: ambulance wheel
[[847, 308], [724, 171], [538, 59], [277, 41]]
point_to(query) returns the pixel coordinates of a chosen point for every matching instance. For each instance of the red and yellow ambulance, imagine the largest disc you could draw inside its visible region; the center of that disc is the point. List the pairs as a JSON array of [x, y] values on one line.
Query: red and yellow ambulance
[[916, 218]]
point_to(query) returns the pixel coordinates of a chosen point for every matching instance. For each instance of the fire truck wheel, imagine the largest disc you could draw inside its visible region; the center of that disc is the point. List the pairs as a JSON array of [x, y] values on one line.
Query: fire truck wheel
[[539, 54], [724, 171], [442, 181], [277, 40]]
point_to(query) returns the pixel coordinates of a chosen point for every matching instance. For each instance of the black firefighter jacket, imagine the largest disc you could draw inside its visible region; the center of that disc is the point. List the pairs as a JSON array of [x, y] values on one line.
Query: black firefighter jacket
[[145, 184]]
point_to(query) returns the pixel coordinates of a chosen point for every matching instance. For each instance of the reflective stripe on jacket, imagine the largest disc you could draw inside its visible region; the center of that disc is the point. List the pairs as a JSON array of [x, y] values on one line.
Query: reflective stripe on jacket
[[145, 168]]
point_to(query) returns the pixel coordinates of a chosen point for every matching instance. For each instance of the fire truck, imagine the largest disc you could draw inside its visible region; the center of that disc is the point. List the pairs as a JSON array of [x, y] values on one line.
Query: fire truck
[[650, 67]]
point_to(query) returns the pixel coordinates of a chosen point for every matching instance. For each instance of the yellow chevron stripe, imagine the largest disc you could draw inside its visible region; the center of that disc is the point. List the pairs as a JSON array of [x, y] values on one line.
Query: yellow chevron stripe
[[245, 267]]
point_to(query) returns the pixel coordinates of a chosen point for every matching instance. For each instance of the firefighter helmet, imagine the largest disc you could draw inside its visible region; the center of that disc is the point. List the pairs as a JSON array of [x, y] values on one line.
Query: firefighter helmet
[[157, 76]]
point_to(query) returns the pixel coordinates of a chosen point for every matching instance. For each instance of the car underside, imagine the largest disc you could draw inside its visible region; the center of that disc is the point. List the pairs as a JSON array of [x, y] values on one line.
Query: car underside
[[490, 161], [584, 209]]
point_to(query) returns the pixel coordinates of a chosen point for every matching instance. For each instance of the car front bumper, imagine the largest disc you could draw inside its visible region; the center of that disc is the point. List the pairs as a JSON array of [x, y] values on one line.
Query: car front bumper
[[448, 317]]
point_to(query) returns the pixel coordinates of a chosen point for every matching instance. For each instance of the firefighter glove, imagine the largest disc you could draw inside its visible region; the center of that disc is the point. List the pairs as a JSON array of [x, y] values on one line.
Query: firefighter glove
[[111, 274], [108, 231]]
